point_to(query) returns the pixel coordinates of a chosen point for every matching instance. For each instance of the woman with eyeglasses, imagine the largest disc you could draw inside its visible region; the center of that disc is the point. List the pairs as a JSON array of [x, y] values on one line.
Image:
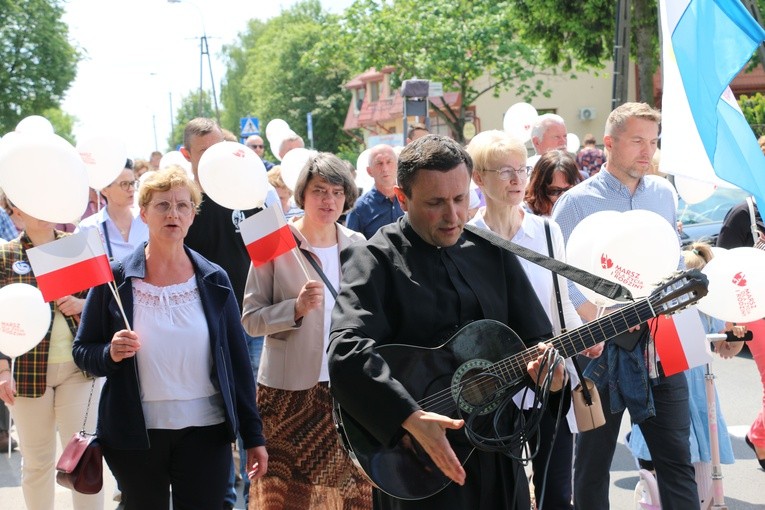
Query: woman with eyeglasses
[[309, 469], [554, 174], [500, 171], [119, 223], [179, 385]]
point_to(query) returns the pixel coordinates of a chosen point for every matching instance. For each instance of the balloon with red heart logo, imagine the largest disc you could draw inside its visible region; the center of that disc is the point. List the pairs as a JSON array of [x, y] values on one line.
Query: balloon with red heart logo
[[736, 285]]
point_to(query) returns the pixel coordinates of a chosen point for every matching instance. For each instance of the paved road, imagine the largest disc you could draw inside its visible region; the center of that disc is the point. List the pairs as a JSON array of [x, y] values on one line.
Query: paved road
[[744, 482]]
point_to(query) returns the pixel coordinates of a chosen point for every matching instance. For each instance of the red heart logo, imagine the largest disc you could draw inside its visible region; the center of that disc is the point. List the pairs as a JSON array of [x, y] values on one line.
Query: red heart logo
[[739, 279], [605, 262], [239, 153]]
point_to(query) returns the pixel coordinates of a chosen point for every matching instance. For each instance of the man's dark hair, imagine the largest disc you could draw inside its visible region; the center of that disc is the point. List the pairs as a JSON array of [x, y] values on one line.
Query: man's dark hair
[[432, 152]]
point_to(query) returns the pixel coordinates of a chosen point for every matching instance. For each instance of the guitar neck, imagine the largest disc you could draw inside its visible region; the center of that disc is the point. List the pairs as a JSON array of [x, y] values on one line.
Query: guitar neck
[[575, 341]]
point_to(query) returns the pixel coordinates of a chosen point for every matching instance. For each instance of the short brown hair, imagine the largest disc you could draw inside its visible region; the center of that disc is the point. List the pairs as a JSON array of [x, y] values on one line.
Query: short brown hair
[[166, 179], [198, 127], [432, 152], [618, 118], [329, 168]]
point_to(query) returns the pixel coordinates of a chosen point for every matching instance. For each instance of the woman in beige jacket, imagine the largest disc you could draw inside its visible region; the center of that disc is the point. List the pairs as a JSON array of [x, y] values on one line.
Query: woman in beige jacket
[[307, 467]]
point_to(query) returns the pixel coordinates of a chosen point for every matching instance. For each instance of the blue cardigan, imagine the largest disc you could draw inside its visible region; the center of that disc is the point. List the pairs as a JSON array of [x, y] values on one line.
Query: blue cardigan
[[121, 423]]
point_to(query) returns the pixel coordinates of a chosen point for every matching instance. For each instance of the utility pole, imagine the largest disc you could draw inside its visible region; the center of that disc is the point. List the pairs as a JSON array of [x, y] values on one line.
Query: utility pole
[[621, 54]]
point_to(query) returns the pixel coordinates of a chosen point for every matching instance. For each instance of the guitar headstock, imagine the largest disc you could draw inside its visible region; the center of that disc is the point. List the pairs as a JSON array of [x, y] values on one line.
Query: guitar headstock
[[678, 291]]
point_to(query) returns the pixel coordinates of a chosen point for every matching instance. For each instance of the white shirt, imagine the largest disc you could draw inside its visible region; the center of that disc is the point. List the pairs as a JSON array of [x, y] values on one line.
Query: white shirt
[[330, 265], [531, 235], [174, 362], [139, 233]]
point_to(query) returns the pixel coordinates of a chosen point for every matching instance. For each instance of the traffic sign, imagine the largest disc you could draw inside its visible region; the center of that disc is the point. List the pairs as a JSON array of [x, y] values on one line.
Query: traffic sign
[[249, 126]]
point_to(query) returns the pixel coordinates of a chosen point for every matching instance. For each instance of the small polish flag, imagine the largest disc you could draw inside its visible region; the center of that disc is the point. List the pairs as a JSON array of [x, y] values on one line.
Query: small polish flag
[[266, 235], [681, 341], [70, 264]]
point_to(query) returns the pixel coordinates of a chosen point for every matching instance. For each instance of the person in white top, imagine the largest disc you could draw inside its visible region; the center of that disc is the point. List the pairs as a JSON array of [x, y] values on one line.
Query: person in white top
[[500, 171], [293, 312], [119, 224]]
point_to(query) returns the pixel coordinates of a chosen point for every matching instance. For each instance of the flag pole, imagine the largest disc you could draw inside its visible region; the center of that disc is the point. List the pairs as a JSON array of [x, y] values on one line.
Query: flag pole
[[10, 413], [300, 261], [113, 288]]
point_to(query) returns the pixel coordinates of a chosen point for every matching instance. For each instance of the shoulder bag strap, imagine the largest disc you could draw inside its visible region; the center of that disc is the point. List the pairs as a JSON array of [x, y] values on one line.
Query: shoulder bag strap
[[585, 391], [600, 285], [317, 267]]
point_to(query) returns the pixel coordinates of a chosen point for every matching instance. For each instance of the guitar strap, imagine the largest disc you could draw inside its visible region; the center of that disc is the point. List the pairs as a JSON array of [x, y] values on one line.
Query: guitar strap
[[600, 285]]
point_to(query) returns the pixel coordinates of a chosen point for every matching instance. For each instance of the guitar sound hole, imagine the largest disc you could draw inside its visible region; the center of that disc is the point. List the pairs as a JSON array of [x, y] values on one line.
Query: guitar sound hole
[[478, 389]]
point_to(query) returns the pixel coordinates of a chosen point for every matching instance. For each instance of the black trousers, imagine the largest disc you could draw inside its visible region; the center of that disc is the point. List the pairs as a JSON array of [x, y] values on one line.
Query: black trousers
[[194, 461], [555, 477]]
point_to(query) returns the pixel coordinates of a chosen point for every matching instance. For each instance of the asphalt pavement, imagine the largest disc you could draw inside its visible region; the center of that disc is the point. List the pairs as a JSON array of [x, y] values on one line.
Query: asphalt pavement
[[743, 482]]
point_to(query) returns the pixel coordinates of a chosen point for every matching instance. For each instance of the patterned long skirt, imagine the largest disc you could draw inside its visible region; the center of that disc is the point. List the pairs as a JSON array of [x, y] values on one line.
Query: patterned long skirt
[[307, 467]]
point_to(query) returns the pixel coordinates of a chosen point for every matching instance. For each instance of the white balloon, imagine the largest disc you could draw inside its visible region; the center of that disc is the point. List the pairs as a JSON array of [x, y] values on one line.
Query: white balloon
[[104, 158], [519, 119], [24, 318], [692, 190], [363, 179], [640, 251], [177, 159], [292, 165], [572, 143], [35, 125], [582, 248], [736, 285], [44, 176], [274, 128], [233, 176], [636, 249], [276, 141]]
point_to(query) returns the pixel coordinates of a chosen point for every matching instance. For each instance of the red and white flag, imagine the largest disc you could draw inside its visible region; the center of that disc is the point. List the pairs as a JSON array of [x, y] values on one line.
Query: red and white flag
[[681, 341], [70, 264], [266, 235]]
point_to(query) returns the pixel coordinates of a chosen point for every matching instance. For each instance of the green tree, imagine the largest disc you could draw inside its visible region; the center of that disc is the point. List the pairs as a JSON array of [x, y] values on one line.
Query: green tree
[[753, 108], [236, 103], [456, 42], [63, 123], [276, 73], [190, 110], [37, 61], [580, 35]]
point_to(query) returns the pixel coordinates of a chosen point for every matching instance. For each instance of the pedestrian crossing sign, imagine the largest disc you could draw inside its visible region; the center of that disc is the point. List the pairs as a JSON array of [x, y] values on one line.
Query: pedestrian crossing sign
[[249, 126]]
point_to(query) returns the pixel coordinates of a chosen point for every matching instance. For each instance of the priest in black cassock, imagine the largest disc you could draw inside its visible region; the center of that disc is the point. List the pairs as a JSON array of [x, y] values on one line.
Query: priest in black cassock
[[417, 282]]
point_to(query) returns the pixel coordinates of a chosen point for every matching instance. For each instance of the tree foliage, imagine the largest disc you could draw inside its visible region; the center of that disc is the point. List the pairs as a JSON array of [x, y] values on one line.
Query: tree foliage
[[276, 74], [63, 123], [455, 42], [37, 61], [190, 110], [753, 108]]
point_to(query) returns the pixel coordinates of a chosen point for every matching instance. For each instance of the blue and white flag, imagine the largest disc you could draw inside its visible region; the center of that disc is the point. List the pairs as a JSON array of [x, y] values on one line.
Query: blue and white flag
[[705, 136]]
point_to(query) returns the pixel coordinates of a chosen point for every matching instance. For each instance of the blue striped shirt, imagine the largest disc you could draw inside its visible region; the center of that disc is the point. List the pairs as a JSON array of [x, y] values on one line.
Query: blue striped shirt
[[604, 192]]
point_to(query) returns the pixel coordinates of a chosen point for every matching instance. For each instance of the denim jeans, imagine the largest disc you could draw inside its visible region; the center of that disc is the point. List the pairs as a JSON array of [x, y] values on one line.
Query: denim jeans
[[254, 348], [667, 437]]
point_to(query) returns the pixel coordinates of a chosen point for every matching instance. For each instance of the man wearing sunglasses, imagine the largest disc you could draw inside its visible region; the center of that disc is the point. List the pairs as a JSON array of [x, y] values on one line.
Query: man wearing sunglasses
[[255, 143]]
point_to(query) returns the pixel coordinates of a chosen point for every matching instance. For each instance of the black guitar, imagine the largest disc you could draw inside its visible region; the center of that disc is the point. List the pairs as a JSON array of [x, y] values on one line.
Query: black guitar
[[484, 359]]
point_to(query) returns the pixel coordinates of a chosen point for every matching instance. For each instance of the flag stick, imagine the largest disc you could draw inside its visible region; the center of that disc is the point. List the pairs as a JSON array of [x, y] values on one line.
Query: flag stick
[[301, 262], [113, 288]]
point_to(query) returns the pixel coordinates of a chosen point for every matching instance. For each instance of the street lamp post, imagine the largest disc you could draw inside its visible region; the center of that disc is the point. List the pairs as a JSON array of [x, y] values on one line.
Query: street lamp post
[[204, 49]]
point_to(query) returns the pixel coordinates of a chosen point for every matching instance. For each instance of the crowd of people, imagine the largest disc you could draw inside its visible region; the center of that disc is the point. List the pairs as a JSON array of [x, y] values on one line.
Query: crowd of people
[[211, 350]]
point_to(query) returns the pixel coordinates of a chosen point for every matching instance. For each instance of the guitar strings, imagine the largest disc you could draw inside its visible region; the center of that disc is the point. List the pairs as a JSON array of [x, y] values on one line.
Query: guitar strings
[[443, 401]]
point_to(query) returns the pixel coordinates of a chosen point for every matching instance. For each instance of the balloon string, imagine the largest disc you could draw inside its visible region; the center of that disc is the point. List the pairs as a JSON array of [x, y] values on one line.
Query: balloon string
[[10, 412]]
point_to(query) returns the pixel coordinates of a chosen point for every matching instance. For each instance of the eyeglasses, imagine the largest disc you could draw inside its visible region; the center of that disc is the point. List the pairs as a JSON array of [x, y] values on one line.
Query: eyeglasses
[[556, 192], [506, 172], [322, 193], [254, 146], [182, 207], [126, 185]]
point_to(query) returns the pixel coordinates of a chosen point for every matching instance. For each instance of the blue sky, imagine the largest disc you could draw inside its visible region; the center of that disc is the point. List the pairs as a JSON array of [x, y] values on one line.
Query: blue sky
[[142, 53]]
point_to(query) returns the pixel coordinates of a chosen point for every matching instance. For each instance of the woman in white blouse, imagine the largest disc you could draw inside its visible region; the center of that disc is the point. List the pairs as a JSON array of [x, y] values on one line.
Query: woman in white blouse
[[500, 171], [179, 384], [119, 222]]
